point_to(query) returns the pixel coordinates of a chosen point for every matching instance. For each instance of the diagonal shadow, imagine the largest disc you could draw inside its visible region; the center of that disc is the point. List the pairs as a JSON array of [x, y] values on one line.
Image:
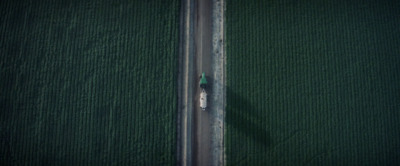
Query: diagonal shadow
[[241, 115]]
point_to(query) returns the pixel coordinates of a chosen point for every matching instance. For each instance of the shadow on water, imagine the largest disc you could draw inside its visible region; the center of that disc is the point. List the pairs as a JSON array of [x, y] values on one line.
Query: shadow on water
[[244, 117]]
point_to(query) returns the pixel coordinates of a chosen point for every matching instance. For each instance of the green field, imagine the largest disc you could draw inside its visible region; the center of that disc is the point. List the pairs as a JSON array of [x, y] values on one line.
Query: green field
[[313, 82], [88, 82]]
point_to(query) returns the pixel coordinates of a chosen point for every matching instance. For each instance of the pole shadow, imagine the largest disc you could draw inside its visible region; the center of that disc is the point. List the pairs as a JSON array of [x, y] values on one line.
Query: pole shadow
[[244, 117]]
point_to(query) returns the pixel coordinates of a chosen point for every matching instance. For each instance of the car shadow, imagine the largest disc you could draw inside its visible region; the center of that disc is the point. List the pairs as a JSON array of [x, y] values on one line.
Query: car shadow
[[245, 118]]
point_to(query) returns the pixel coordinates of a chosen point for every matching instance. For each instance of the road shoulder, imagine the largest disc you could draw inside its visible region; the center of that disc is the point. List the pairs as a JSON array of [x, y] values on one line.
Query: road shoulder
[[185, 82], [218, 67]]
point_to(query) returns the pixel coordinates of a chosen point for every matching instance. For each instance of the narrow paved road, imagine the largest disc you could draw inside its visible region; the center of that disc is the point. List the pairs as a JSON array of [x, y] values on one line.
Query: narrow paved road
[[203, 46], [185, 85]]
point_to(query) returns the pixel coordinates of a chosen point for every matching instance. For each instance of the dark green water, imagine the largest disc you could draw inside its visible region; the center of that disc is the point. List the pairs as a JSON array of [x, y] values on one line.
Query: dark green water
[[88, 82], [313, 82]]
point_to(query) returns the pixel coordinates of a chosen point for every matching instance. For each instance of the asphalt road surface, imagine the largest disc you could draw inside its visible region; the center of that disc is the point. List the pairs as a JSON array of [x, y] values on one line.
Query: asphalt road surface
[[203, 47]]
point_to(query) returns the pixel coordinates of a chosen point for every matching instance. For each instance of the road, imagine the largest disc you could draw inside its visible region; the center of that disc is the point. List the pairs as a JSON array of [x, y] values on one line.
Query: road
[[185, 85], [200, 133], [202, 47]]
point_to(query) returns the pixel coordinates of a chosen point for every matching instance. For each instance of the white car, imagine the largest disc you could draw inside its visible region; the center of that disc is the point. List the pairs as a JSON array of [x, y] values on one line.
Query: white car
[[203, 100]]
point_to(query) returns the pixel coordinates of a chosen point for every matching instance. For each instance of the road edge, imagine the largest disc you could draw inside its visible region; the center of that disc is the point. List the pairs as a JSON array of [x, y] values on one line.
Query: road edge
[[185, 83], [223, 9], [218, 56]]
